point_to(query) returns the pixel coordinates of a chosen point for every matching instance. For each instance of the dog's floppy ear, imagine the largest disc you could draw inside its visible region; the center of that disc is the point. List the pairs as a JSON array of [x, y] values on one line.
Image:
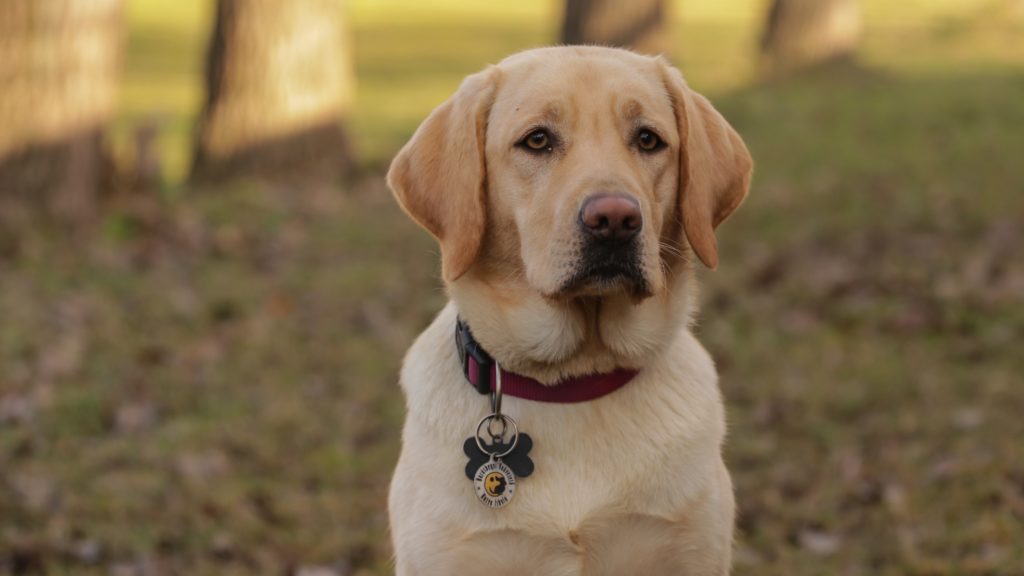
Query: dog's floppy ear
[[714, 166], [439, 177]]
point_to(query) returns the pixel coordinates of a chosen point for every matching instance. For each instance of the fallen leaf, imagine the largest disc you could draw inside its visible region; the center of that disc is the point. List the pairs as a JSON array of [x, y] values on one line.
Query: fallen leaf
[[200, 467], [819, 542], [16, 409], [318, 571], [135, 416], [968, 418]]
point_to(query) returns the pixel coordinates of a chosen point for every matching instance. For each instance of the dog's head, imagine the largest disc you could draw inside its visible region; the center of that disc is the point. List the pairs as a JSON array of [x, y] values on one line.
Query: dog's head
[[568, 175]]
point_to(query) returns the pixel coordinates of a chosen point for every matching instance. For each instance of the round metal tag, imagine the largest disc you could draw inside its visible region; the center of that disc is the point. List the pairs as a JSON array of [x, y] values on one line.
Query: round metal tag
[[495, 483]]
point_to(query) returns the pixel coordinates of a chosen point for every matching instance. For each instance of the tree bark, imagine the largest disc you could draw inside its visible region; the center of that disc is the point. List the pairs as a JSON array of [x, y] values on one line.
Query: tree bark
[[279, 83], [59, 71], [801, 33], [637, 24]]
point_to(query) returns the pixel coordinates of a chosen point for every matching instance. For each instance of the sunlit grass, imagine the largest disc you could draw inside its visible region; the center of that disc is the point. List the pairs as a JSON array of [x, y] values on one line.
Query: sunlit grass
[[411, 55]]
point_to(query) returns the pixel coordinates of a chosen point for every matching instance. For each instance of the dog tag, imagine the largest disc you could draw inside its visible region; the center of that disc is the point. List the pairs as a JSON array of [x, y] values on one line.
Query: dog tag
[[493, 479], [495, 483], [518, 460]]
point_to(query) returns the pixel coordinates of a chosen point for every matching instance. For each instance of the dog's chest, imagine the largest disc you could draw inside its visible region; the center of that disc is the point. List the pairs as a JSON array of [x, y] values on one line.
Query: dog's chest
[[577, 476], [579, 513], [612, 477], [587, 463]]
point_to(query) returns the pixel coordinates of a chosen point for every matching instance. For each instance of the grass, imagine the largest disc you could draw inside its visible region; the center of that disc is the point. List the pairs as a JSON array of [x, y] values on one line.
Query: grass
[[864, 339], [411, 56], [206, 383]]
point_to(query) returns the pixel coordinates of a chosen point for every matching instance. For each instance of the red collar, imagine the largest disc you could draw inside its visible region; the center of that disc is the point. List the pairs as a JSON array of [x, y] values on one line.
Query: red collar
[[480, 368]]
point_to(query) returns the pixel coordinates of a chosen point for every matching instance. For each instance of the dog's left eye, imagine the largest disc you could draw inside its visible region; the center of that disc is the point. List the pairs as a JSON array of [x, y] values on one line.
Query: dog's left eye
[[648, 141], [540, 140]]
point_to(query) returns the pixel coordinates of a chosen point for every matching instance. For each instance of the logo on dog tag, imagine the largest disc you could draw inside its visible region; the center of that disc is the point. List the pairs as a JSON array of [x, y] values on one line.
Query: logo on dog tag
[[495, 483]]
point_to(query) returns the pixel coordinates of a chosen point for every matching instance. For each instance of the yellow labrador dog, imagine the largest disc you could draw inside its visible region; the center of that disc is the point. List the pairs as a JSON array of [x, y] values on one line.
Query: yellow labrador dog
[[570, 189]]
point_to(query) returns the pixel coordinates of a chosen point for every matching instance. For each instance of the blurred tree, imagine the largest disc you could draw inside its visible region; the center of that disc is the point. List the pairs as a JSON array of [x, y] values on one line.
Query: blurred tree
[[637, 24], [279, 82], [799, 33], [59, 70]]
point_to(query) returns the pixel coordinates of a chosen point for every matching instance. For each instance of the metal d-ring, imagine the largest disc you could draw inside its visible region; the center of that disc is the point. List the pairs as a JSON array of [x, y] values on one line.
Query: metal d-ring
[[496, 395], [496, 415], [505, 420], [496, 405]]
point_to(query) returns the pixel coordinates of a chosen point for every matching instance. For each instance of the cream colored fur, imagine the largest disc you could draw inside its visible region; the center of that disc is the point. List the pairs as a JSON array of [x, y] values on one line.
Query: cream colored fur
[[630, 483]]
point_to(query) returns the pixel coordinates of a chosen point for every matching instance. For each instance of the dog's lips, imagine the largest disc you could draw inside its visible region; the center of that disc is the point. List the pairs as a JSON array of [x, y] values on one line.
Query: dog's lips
[[611, 275], [605, 268], [605, 279]]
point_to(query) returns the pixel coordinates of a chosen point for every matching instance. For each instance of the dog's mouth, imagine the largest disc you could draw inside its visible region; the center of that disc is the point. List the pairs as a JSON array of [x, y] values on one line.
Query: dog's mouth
[[604, 270], [604, 281]]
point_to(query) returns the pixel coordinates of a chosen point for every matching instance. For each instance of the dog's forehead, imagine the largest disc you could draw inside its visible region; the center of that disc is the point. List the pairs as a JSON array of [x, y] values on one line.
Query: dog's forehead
[[558, 82]]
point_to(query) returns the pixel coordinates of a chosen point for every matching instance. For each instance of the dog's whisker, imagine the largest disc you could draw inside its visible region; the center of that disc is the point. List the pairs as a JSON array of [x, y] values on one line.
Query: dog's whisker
[[667, 246]]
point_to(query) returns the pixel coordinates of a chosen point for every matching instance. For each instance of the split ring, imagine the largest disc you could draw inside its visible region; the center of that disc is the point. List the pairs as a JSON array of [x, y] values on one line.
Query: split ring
[[505, 420]]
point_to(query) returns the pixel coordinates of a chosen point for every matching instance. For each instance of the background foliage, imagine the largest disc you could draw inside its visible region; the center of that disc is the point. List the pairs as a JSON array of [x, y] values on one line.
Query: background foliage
[[205, 382]]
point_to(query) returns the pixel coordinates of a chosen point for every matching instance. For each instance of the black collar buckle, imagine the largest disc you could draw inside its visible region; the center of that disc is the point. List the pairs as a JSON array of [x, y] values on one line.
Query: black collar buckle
[[468, 348]]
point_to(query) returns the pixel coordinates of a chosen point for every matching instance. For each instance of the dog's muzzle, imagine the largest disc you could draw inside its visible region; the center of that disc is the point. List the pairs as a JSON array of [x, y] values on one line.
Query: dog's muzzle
[[610, 260]]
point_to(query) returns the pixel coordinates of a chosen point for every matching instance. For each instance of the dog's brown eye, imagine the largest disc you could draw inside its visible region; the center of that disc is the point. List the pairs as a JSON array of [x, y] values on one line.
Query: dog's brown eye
[[538, 140], [648, 141]]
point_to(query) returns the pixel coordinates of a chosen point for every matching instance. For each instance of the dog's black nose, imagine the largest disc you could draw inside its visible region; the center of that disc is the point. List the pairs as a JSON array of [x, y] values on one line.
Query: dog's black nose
[[611, 217]]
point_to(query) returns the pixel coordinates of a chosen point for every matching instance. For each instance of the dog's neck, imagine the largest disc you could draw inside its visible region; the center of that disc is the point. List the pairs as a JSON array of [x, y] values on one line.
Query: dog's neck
[[551, 340]]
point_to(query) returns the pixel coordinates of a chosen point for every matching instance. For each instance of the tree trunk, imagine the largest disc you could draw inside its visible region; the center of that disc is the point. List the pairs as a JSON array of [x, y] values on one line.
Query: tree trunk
[[59, 70], [637, 24], [279, 83], [800, 33]]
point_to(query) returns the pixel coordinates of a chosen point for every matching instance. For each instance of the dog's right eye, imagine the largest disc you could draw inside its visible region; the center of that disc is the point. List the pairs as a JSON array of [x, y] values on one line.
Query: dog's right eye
[[538, 141]]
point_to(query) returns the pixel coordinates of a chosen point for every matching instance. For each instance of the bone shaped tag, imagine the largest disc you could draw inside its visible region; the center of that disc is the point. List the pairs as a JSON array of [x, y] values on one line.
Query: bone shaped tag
[[517, 460]]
